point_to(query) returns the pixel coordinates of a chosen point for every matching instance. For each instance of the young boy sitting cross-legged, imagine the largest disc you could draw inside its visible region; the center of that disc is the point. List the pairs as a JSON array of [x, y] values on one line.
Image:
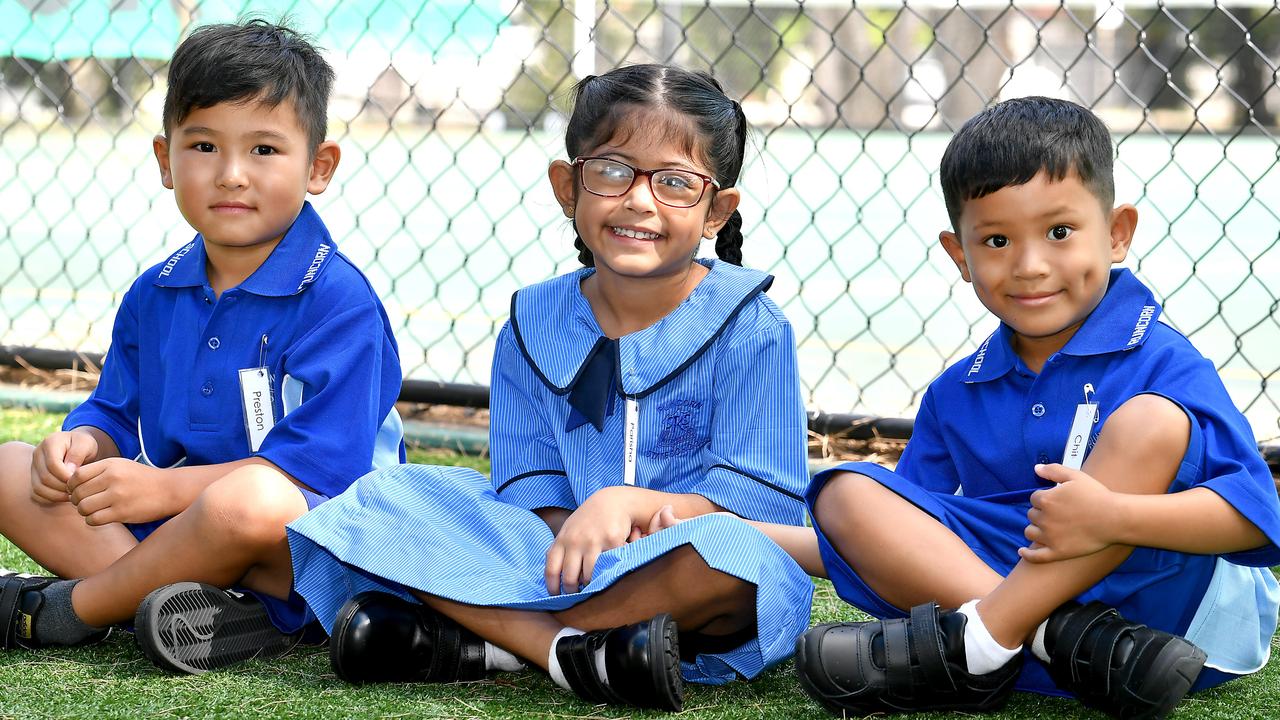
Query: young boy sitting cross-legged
[[1119, 576], [250, 377]]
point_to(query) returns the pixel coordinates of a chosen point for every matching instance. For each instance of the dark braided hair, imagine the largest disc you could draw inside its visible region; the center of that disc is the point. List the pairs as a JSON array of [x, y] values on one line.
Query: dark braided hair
[[716, 131]]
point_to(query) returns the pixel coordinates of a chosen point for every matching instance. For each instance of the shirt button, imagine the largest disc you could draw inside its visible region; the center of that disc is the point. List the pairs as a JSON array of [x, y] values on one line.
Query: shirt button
[[206, 389], [1038, 410], [1042, 458], [214, 343]]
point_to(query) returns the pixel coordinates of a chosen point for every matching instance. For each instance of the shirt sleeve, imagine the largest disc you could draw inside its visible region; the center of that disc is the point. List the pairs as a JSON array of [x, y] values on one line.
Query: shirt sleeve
[[1228, 459], [349, 369], [755, 464], [112, 407], [926, 460], [528, 470]]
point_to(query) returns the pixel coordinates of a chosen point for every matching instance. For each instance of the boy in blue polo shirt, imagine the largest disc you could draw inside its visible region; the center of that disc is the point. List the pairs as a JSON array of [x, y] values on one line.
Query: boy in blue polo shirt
[[251, 376], [1171, 520]]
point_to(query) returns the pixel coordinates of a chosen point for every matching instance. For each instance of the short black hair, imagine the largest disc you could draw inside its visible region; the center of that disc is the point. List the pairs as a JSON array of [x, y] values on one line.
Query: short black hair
[[249, 60], [1011, 142]]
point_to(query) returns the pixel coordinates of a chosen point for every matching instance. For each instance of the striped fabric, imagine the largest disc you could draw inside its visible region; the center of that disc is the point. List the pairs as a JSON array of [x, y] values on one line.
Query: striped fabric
[[720, 415]]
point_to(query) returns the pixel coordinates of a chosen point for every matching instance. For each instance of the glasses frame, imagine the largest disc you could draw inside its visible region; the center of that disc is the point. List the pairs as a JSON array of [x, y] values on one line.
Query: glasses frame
[[637, 173]]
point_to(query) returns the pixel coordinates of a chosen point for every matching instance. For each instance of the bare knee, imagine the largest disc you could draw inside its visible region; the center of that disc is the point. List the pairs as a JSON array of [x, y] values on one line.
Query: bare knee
[[847, 501], [15, 475], [1149, 433], [251, 506]]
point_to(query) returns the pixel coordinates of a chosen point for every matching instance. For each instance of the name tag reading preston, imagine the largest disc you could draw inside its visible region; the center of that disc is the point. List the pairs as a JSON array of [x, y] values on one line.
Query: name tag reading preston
[[255, 396]]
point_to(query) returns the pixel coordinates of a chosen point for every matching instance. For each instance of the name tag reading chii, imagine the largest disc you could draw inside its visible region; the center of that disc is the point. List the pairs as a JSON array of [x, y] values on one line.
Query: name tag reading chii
[[1081, 430]]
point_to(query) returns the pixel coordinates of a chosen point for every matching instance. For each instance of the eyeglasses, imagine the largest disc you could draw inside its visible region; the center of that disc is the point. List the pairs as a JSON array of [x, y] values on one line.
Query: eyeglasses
[[676, 188]]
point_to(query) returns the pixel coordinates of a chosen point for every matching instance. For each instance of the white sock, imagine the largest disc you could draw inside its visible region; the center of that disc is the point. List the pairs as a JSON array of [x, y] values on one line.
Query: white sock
[[1037, 643], [495, 658], [982, 654], [553, 662]]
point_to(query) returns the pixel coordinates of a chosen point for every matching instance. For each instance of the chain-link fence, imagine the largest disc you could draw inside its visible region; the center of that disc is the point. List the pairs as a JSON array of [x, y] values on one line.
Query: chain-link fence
[[448, 112]]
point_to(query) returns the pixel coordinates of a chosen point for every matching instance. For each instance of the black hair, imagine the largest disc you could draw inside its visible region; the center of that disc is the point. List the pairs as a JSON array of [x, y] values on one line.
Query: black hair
[[711, 126], [250, 60], [1011, 142]]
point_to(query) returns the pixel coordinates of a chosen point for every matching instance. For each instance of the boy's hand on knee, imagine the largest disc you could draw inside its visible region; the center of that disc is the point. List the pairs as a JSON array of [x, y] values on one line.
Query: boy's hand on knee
[[55, 461], [1069, 520], [119, 490]]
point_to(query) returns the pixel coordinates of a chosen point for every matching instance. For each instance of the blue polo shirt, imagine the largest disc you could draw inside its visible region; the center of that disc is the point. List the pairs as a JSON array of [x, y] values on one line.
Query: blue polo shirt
[[170, 393], [987, 420]]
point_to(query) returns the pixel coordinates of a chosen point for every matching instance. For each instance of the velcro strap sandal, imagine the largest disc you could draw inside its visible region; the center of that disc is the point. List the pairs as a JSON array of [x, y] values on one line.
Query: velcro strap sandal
[[18, 608], [898, 665], [379, 637], [642, 664], [1125, 669]]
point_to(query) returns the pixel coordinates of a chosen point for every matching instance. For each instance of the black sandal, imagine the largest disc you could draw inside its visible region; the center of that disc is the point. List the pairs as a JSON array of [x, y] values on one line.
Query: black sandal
[[642, 662], [378, 637], [193, 628], [18, 608], [1124, 669], [898, 665]]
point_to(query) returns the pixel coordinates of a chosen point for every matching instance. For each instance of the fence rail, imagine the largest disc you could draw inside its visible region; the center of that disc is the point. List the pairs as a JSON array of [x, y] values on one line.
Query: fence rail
[[448, 112]]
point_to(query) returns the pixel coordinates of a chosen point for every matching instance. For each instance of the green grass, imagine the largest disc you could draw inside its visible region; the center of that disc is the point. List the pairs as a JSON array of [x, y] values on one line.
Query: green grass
[[114, 680]]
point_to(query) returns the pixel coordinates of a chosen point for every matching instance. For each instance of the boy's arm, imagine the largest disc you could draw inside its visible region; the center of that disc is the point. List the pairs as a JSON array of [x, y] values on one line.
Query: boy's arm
[[120, 490], [1081, 516], [801, 543]]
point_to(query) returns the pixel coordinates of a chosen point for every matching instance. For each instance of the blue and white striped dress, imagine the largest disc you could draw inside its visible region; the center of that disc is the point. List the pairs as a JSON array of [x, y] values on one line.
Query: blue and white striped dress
[[719, 415]]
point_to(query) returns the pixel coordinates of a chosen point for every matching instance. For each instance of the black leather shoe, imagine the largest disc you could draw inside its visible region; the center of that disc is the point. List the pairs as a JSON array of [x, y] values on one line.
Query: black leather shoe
[[378, 637], [642, 662], [1124, 669]]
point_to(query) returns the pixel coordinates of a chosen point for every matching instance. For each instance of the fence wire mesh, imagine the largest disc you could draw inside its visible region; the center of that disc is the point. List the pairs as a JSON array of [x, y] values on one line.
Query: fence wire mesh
[[448, 112]]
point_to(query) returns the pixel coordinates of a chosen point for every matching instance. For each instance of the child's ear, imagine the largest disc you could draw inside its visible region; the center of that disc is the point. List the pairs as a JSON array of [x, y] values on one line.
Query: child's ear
[[160, 146], [1124, 220], [723, 203], [564, 185], [951, 243], [324, 163]]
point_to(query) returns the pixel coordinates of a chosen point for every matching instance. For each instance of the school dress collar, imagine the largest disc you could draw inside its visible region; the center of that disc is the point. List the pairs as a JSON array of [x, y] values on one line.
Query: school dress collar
[[1120, 322], [294, 264], [560, 339]]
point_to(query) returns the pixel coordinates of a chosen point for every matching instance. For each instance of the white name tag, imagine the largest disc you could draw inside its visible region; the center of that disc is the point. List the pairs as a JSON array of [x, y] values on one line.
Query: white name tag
[[1078, 438], [631, 438], [255, 397]]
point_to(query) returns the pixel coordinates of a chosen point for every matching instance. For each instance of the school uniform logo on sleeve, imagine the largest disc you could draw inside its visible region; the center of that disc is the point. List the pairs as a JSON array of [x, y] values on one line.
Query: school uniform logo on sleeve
[[679, 434]]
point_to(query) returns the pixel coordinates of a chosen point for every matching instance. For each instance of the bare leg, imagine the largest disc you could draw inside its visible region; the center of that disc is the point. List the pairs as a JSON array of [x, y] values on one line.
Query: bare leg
[[698, 598], [232, 534], [1139, 451], [54, 535]]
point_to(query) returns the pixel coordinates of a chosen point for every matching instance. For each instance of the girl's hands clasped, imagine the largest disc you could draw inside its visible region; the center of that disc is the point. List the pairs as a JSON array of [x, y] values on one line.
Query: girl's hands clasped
[[603, 522]]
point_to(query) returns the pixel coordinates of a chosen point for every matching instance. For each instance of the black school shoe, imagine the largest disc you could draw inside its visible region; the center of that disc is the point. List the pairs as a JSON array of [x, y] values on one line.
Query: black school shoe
[[193, 628], [378, 637], [898, 665], [642, 662], [20, 603], [1124, 669]]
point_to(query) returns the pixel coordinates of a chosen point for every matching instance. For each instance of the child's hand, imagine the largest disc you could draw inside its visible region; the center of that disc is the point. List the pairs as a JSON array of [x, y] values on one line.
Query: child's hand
[[119, 490], [55, 461], [600, 524], [663, 519], [1069, 520]]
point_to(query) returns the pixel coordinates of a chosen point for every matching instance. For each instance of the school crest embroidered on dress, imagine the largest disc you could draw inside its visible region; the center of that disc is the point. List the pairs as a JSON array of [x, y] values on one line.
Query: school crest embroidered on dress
[[679, 434]]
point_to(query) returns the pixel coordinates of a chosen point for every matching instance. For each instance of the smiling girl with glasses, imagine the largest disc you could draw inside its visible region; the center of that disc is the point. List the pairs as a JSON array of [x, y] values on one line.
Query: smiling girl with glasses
[[646, 380]]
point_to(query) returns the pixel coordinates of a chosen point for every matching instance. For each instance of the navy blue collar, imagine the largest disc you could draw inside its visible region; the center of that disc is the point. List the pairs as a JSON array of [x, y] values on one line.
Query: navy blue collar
[[1119, 323], [559, 337], [294, 264]]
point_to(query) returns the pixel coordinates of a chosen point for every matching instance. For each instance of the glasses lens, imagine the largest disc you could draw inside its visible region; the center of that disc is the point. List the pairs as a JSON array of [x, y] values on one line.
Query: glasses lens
[[606, 177], [677, 188]]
